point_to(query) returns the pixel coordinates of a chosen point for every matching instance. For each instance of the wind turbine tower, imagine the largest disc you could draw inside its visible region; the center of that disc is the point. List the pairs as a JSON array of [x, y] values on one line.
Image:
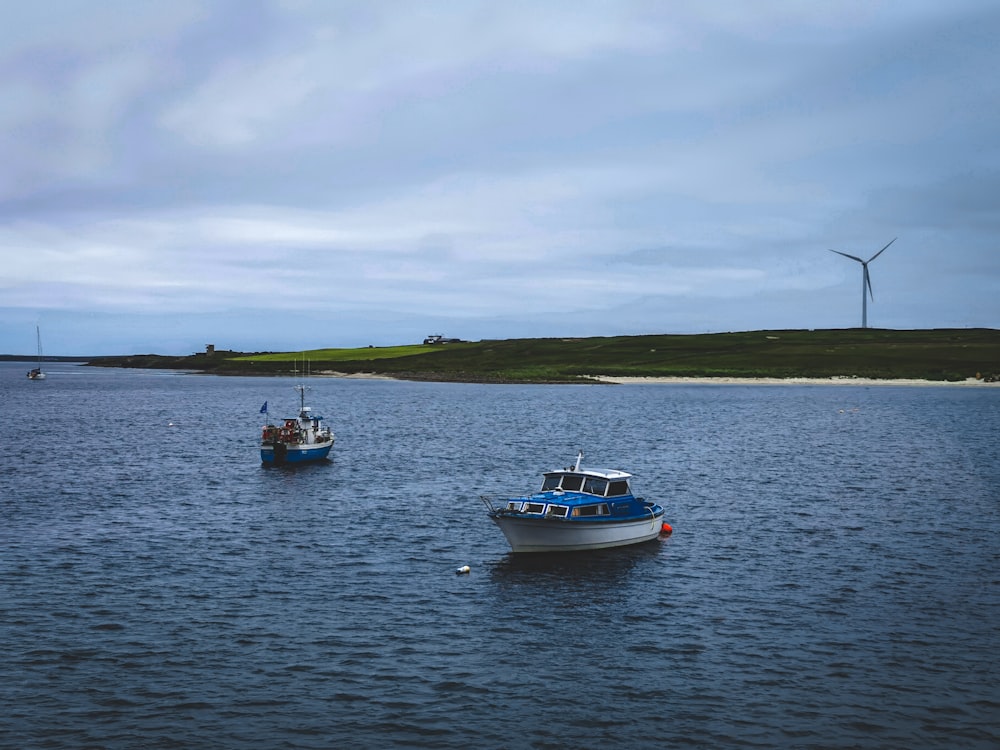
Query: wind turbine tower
[[866, 282]]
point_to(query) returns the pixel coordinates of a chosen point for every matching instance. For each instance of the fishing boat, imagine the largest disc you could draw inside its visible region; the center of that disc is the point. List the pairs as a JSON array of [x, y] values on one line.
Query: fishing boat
[[297, 440], [36, 372], [577, 509]]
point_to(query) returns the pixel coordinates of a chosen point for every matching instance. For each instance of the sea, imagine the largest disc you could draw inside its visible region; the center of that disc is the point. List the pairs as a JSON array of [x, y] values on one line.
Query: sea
[[832, 579]]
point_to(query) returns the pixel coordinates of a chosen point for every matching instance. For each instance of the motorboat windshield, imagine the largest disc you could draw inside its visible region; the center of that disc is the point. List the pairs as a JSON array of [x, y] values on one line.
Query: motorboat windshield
[[591, 485]]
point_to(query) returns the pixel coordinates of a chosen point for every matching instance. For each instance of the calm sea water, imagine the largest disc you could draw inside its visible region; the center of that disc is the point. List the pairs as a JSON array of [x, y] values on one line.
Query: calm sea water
[[833, 579]]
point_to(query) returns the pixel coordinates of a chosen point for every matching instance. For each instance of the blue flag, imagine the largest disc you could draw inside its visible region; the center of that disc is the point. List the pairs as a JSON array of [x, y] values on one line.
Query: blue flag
[[263, 409]]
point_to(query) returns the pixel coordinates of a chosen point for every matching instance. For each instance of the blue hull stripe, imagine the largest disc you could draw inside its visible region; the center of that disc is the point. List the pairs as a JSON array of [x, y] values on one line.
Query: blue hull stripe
[[296, 456]]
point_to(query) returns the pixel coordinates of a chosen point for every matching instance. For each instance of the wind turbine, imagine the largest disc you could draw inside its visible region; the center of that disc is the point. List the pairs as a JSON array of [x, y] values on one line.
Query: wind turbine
[[866, 282]]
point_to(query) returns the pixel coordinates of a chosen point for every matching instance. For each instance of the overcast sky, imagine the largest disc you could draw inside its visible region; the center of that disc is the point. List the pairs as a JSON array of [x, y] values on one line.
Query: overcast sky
[[301, 174]]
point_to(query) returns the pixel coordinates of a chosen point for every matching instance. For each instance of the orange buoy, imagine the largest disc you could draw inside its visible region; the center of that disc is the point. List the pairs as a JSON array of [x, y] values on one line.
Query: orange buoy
[[666, 528]]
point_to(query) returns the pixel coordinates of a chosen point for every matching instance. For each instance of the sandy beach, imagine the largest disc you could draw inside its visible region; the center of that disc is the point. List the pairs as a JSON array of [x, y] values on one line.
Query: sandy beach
[[620, 380], [849, 381], [353, 375]]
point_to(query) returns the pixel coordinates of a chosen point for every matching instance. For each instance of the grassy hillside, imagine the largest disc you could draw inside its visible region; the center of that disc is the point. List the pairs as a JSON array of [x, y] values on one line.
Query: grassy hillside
[[939, 354], [339, 355]]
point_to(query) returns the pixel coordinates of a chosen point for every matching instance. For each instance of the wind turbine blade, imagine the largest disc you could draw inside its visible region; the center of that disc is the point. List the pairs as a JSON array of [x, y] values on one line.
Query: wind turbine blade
[[852, 257], [868, 281], [882, 250]]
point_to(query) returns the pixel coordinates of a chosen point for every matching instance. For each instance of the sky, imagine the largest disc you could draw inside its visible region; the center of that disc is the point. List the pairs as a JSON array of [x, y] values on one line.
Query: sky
[[281, 175]]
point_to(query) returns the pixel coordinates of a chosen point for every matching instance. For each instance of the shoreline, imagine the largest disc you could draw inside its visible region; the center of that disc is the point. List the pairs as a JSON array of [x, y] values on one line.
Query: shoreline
[[846, 381], [838, 380], [352, 375], [721, 380]]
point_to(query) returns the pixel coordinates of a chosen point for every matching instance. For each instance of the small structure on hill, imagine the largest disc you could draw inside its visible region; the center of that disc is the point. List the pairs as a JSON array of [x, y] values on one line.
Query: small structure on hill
[[437, 338]]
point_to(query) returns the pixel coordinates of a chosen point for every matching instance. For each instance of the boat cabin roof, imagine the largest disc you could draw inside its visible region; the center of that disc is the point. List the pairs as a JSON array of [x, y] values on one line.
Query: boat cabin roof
[[579, 483], [602, 473]]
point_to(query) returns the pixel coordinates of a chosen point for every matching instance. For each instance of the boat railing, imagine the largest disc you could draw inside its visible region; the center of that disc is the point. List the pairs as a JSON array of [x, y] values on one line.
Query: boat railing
[[489, 500], [498, 503]]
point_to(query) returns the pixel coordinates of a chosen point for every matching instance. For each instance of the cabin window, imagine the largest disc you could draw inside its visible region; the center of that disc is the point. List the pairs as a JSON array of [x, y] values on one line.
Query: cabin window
[[572, 483], [551, 482], [514, 505], [558, 511], [591, 510], [618, 488], [534, 507], [595, 486]]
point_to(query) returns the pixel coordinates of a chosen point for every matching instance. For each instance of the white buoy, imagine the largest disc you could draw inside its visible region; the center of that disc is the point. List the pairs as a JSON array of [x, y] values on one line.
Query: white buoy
[[463, 569]]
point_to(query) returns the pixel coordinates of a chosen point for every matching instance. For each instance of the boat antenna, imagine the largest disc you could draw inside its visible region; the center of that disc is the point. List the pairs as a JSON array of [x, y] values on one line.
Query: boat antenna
[[579, 458]]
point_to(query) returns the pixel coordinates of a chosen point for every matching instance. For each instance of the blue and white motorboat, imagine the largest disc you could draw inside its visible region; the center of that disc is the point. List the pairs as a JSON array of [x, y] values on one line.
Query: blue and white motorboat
[[296, 440], [577, 509]]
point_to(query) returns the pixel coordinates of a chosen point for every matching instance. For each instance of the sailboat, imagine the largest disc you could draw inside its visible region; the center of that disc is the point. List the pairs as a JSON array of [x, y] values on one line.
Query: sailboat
[[36, 373]]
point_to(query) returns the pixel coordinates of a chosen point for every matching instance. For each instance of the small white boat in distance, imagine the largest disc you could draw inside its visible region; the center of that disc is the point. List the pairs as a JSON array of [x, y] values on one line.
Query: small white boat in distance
[[577, 509], [36, 373]]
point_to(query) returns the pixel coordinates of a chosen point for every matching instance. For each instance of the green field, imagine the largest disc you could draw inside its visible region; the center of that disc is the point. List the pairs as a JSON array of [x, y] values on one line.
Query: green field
[[328, 356], [937, 354]]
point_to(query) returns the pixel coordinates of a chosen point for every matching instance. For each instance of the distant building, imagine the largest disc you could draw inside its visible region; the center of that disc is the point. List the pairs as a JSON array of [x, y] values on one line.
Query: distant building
[[437, 338], [209, 349]]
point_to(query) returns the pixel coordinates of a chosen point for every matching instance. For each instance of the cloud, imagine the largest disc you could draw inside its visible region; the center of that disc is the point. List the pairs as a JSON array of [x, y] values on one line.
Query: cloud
[[507, 167]]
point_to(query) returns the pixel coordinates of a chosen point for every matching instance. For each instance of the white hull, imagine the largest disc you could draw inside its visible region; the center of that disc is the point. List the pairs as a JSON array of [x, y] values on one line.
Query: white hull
[[549, 535]]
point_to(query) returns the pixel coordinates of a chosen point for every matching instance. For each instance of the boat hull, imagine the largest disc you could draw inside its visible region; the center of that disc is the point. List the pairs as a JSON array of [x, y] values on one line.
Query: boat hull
[[294, 454], [558, 535]]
